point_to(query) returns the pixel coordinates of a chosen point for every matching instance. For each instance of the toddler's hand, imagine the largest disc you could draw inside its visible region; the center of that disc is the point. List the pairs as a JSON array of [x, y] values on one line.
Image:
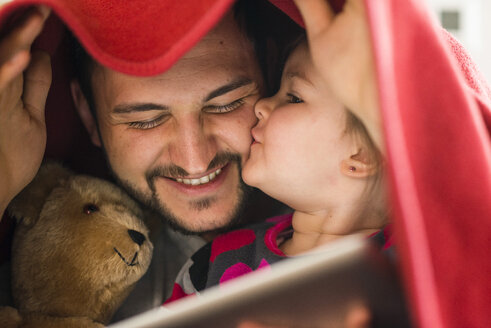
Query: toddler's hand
[[342, 53]]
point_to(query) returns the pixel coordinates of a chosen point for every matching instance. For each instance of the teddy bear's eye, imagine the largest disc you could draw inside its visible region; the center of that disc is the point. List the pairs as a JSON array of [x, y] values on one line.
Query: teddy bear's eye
[[90, 208]]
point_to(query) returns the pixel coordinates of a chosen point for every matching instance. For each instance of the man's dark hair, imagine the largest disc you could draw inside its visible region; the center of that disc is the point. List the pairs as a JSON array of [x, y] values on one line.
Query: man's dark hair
[[271, 32], [268, 28]]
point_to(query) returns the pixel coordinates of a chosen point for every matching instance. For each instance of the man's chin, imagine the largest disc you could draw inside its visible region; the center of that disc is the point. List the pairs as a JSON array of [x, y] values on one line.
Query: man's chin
[[201, 217], [207, 216], [203, 225]]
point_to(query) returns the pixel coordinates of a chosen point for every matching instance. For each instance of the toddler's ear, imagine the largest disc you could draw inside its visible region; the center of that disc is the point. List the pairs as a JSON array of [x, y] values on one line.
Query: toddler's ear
[[359, 165], [27, 205]]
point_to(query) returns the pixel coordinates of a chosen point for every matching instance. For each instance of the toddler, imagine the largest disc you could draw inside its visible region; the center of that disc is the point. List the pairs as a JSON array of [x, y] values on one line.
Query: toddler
[[312, 154]]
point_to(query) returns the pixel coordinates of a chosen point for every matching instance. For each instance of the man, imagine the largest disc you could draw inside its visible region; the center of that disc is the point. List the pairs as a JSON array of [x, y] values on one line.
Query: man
[[175, 141]]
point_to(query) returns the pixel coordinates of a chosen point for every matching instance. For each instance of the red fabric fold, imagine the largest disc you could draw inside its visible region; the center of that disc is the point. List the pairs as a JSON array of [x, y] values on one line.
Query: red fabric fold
[[439, 157], [137, 37], [437, 122]]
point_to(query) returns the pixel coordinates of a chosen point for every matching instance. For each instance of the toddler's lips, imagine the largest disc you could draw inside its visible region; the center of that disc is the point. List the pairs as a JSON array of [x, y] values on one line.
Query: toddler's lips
[[254, 136]]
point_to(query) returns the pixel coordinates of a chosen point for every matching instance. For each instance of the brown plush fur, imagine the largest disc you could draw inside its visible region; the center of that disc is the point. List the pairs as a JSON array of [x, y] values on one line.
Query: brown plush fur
[[73, 263]]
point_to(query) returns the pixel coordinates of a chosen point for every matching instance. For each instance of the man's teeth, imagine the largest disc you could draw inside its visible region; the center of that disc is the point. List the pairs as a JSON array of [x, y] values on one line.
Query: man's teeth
[[202, 180]]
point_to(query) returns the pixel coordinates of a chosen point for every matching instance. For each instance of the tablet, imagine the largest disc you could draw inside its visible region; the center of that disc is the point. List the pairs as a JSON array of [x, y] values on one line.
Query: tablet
[[313, 290]]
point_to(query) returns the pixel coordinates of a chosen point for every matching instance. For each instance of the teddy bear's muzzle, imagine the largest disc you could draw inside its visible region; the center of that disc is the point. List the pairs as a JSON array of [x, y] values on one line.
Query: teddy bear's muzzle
[[139, 239], [133, 261]]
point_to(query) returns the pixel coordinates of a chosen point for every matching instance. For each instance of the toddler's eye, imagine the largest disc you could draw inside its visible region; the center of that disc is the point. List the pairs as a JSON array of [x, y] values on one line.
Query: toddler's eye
[[90, 208], [294, 99]]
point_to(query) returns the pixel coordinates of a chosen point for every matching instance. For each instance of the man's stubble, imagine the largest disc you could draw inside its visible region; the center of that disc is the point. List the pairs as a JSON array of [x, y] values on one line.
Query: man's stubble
[[152, 201]]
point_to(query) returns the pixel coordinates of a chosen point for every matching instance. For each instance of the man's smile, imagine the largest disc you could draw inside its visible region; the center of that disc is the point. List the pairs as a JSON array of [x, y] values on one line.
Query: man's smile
[[206, 178], [200, 185]]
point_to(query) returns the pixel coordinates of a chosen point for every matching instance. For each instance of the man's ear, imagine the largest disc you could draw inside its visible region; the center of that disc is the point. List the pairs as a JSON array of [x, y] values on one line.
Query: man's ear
[[359, 165], [85, 113]]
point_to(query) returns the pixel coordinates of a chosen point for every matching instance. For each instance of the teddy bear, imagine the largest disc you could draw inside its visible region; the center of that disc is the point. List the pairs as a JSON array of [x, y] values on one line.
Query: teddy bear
[[79, 246]]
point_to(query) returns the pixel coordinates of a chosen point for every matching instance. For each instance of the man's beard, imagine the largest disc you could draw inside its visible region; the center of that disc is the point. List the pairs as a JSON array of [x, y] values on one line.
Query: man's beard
[[153, 202]]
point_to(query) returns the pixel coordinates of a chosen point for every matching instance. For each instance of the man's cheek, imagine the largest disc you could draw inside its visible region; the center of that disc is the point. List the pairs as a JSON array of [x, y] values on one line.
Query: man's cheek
[[128, 157], [234, 133]]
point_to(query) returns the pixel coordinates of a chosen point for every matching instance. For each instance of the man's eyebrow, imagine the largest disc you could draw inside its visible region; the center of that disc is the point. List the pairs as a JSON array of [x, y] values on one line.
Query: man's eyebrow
[[137, 107], [240, 82]]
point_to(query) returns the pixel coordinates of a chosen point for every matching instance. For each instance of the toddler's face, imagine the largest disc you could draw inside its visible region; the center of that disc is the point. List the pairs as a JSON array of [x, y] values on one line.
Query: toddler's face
[[300, 140]]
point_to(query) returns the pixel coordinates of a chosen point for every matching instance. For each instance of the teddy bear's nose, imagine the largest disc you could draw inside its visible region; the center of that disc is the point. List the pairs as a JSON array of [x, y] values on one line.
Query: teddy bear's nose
[[137, 237]]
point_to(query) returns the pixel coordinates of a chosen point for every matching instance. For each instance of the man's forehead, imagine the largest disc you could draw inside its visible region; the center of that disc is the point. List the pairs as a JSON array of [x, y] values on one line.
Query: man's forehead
[[227, 36], [192, 80], [222, 57]]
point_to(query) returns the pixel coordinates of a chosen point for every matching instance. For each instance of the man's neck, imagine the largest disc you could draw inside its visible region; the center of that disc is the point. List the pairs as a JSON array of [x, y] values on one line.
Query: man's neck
[[208, 236]]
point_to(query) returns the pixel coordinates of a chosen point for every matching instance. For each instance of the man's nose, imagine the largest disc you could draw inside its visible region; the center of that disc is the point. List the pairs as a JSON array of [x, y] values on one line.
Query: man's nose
[[194, 145], [263, 108]]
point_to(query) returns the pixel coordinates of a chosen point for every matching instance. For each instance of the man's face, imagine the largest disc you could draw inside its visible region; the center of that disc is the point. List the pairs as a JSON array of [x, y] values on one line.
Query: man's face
[[177, 141]]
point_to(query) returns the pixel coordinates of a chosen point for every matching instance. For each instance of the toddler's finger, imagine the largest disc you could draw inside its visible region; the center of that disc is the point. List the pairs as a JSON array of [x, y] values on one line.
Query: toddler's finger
[[45, 11], [317, 15]]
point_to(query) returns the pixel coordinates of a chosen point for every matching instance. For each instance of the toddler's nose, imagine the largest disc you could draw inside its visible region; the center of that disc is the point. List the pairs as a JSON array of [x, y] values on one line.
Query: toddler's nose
[[263, 108], [137, 237]]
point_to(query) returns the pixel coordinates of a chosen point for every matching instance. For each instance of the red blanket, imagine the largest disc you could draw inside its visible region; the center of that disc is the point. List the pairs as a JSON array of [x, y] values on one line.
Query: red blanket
[[437, 121]]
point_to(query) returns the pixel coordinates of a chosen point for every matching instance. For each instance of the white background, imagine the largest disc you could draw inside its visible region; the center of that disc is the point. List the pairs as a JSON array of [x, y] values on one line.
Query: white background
[[475, 28]]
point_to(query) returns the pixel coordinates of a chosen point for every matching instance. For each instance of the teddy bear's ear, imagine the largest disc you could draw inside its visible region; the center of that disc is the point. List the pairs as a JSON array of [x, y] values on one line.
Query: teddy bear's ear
[[27, 205], [10, 317]]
